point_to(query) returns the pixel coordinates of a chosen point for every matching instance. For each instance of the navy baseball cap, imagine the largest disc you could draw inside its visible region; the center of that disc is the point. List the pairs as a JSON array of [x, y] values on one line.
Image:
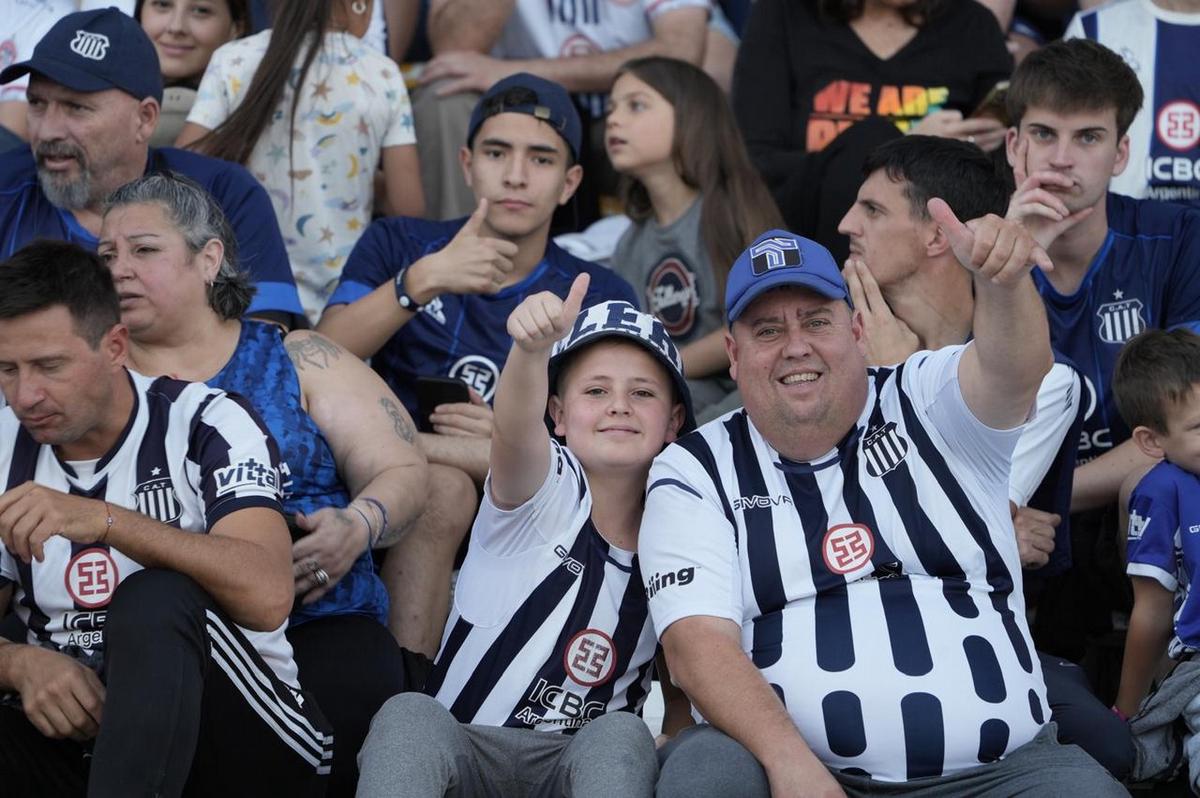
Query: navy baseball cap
[[93, 51], [777, 258], [528, 94], [617, 318]]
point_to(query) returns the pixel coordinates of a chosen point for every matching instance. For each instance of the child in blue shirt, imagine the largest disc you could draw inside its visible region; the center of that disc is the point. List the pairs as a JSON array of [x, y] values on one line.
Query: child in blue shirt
[[1156, 383]]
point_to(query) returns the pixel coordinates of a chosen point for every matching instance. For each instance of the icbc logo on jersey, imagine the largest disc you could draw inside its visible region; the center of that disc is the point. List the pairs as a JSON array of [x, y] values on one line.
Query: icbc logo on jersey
[[1178, 125], [847, 547], [91, 578], [590, 658]]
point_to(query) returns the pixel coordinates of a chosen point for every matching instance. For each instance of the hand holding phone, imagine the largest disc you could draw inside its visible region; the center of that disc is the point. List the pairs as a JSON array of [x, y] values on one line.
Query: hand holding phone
[[434, 391]]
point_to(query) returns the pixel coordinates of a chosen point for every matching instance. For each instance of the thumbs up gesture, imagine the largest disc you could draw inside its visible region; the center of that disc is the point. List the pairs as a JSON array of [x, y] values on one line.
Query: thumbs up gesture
[[1000, 250], [472, 263], [543, 318]]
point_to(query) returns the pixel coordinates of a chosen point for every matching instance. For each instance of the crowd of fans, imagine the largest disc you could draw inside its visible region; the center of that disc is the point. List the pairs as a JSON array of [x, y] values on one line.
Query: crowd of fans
[[397, 392]]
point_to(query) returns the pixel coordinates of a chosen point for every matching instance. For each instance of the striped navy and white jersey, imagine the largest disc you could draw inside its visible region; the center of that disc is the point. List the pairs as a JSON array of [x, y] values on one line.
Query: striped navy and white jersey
[[877, 588], [550, 627], [189, 456]]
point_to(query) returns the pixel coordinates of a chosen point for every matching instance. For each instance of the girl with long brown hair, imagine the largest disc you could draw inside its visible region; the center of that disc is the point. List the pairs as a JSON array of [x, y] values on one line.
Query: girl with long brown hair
[[695, 200], [312, 110]]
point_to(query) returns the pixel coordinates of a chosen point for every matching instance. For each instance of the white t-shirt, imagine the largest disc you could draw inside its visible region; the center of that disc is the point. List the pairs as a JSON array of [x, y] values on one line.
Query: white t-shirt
[[566, 28], [877, 588], [353, 104]]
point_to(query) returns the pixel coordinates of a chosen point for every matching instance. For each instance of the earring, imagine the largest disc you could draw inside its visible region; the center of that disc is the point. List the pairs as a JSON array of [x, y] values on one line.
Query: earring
[[359, 7]]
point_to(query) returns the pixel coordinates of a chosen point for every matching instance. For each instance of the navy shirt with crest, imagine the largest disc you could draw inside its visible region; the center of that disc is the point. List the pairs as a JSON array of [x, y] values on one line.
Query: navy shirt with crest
[[455, 335], [1145, 276]]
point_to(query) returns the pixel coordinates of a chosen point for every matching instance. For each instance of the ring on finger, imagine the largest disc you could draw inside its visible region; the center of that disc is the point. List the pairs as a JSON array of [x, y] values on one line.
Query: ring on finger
[[321, 577]]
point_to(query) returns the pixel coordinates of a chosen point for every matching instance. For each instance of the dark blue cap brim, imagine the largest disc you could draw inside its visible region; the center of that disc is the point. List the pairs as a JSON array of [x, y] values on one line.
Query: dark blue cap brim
[[781, 277], [63, 74]]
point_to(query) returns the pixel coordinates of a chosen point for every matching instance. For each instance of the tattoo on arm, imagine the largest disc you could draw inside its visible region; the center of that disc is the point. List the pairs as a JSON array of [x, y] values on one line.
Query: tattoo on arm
[[400, 424], [312, 350]]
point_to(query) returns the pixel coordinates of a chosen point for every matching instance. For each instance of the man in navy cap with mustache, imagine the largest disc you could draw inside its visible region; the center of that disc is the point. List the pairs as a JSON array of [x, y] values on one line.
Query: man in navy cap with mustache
[[94, 92]]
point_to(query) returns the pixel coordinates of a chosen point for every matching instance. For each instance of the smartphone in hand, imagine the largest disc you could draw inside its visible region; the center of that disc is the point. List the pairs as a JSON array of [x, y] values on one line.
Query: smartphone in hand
[[434, 391]]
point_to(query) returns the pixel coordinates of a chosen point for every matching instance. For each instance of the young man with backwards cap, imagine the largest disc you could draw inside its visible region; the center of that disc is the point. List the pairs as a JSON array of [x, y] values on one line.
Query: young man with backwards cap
[[548, 654], [94, 93], [424, 298], [853, 620]]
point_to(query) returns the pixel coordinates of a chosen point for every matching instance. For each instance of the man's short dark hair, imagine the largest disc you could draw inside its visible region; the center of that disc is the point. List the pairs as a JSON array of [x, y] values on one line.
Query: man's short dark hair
[[48, 273], [1075, 75], [931, 166], [1154, 371]]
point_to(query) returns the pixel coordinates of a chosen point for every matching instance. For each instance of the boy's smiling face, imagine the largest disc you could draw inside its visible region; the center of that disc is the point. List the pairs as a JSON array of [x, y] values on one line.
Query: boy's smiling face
[[615, 406]]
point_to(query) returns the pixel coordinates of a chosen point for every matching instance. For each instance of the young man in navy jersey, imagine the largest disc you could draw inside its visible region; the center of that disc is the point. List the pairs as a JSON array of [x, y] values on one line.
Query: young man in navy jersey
[[851, 621], [431, 299], [1121, 266], [146, 556], [549, 651], [94, 93]]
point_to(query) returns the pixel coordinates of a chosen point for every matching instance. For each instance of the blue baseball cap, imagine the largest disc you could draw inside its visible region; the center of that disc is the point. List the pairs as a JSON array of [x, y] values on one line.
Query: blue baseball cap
[[528, 94], [617, 318], [777, 258], [93, 51]]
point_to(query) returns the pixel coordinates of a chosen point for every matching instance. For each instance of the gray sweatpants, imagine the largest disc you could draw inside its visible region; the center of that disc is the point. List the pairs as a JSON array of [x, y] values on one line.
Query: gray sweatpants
[[416, 748], [702, 762]]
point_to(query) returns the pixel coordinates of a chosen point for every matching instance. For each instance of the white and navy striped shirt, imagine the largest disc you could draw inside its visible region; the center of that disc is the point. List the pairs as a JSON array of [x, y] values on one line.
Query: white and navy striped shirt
[[877, 588], [189, 456], [550, 627]]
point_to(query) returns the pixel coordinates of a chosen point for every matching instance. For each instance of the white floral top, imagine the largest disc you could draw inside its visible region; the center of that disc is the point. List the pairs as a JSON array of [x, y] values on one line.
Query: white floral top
[[352, 105]]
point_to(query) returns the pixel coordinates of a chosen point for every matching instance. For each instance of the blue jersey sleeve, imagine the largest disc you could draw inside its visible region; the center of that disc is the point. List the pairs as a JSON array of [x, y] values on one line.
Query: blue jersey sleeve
[[1183, 307], [1153, 524], [375, 260], [260, 244]]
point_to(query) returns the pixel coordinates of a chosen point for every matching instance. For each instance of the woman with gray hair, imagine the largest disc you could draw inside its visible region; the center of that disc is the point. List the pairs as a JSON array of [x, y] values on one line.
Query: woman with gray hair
[[353, 477]]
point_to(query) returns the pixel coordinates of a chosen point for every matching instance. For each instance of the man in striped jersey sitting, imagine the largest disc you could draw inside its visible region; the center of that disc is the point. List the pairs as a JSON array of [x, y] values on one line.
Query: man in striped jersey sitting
[[548, 652], [843, 603], [145, 552]]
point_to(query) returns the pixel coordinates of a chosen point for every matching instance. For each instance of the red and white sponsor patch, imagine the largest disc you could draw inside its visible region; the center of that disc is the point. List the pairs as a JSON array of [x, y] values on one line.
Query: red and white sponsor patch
[[91, 578], [847, 547], [1178, 125], [590, 658]]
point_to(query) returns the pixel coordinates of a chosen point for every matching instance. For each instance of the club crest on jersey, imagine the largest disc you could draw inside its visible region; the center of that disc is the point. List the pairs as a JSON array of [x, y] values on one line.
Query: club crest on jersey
[[479, 373], [91, 578], [774, 253], [884, 449], [1120, 320], [590, 658], [847, 547], [671, 295], [157, 498]]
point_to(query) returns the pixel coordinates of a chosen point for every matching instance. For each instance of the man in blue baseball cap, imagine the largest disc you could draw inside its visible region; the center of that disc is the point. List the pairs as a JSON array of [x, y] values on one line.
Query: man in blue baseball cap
[[93, 103], [431, 299], [853, 610]]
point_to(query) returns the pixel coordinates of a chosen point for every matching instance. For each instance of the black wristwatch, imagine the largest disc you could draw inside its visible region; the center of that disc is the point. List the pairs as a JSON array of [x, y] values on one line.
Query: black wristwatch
[[403, 298]]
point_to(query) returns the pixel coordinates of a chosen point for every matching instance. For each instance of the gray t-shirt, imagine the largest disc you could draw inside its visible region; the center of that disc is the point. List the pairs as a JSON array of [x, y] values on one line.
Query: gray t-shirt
[[670, 270]]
